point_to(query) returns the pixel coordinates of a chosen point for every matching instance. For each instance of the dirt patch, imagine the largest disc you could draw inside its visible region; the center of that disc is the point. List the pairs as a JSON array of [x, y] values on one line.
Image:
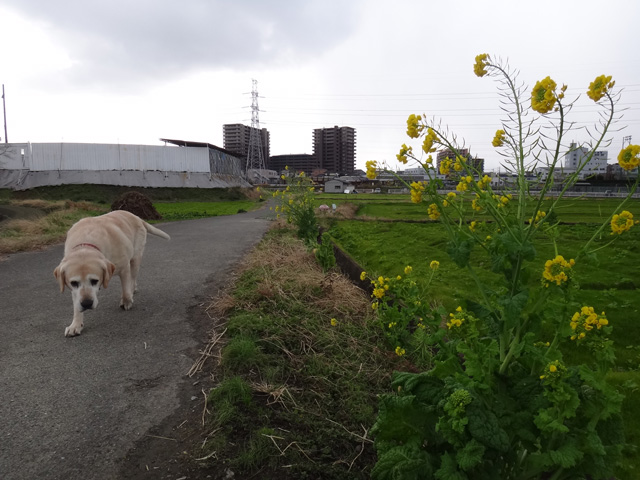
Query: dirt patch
[[138, 204]]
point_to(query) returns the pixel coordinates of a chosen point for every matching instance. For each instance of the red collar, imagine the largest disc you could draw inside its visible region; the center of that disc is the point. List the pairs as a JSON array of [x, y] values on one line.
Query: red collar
[[86, 245]]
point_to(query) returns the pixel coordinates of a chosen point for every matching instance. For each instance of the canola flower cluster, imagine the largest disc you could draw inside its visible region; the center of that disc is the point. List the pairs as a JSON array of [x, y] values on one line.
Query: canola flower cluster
[[433, 212], [539, 217], [622, 222], [404, 152], [417, 188], [629, 157], [456, 319], [585, 321], [599, 87], [554, 371], [555, 271], [498, 140], [372, 171]]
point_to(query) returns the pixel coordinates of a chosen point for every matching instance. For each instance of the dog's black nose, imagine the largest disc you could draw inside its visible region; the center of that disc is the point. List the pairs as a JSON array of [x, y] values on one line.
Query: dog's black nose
[[86, 304]]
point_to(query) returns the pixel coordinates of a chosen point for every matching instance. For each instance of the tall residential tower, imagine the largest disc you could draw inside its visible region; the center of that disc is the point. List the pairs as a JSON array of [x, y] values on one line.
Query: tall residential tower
[[335, 149]]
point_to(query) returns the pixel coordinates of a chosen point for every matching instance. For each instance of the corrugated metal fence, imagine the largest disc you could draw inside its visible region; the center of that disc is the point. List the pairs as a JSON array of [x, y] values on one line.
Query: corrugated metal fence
[[104, 157]]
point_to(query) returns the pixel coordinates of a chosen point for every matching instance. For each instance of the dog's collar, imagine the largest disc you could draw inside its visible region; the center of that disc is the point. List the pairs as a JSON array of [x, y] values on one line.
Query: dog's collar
[[91, 245]]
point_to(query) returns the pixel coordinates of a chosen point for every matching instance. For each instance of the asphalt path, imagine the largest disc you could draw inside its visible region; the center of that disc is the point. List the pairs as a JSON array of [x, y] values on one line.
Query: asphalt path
[[71, 408]]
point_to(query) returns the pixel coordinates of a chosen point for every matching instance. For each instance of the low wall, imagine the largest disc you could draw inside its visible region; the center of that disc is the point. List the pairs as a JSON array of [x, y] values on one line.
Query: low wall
[[26, 179]]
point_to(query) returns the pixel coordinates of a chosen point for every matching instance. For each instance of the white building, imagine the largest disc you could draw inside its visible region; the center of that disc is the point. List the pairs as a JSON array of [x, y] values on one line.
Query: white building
[[577, 156]]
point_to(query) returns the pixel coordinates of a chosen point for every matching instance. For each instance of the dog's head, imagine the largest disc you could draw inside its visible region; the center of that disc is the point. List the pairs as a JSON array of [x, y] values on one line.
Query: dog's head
[[84, 274]]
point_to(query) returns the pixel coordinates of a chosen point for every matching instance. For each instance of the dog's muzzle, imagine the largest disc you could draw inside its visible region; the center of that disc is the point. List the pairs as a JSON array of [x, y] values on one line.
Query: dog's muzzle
[[86, 304]]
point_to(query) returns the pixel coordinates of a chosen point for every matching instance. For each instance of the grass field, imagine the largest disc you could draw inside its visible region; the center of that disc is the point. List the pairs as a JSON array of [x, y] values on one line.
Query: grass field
[[187, 210]]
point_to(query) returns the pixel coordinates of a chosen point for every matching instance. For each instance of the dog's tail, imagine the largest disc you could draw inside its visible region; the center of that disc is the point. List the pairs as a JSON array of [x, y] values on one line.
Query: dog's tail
[[156, 231]]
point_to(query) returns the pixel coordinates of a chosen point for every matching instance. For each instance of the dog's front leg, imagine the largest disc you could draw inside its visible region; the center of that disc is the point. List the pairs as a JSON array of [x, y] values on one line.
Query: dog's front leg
[[76, 325], [126, 302]]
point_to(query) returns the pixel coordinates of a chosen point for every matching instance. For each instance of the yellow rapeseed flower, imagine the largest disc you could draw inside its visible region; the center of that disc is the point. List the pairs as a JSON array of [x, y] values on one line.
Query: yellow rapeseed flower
[[334, 322], [372, 172], [473, 225], [413, 126], [417, 188], [543, 95], [433, 212], [404, 151], [484, 182], [400, 351], [556, 270], [363, 275], [430, 138], [599, 87], [622, 222], [408, 269], [629, 157], [498, 140], [480, 67], [445, 166], [553, 371], [434, 265], [539, 216], [586, 320]]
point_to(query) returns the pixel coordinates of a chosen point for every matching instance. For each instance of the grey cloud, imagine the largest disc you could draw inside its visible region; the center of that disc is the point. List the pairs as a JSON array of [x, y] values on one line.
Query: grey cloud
[[122, 43]]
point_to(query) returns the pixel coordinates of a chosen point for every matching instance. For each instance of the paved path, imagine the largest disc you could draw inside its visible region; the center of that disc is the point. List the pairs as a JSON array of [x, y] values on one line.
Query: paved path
[[71, 408]]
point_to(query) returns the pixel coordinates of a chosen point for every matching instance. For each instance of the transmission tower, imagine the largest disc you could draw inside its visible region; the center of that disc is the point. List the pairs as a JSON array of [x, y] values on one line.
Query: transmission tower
[[255, 156]]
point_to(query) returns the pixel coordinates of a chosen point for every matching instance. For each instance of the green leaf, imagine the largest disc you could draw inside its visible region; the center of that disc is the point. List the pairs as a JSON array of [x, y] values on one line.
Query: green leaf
[[403, 419], [513, 306], [484, 427], [459, 249], [423, 386], [471, 455], [449, 469], [406, 462], [567, 456]]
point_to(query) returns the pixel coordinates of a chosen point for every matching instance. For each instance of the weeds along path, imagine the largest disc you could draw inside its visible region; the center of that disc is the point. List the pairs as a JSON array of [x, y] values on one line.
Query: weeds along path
[[72, 408]]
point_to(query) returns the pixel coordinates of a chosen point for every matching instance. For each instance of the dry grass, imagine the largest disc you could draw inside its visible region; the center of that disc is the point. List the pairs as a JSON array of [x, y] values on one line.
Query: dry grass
[[19, 235], [44, 205], [290, 269]]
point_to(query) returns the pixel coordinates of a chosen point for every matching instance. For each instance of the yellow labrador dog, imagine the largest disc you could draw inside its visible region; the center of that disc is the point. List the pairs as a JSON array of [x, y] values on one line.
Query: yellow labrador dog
[[96, 249]]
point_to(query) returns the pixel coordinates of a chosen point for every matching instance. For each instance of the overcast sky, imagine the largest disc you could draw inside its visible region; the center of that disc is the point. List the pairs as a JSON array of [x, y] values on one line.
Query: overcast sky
[[136, 71]]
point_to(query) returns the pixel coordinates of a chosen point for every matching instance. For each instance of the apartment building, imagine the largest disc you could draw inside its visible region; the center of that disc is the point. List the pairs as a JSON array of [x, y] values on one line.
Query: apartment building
[[236, 139], [335, 149]]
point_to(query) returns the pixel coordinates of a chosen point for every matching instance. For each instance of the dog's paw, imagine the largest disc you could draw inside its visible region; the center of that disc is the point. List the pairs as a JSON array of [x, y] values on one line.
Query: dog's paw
[[73, 330], [126, 304]]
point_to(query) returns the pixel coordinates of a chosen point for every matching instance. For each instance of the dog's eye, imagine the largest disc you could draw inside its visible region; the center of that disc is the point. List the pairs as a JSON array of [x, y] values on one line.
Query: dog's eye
[[75, 284], [94, 282]]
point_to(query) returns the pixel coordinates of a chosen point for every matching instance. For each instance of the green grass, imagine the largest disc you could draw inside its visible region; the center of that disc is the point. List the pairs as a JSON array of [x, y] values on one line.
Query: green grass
[[189, 210], [399, 207]]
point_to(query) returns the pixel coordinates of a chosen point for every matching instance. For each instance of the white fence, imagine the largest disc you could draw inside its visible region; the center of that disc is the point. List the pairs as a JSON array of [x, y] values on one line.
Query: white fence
[[40, 157]]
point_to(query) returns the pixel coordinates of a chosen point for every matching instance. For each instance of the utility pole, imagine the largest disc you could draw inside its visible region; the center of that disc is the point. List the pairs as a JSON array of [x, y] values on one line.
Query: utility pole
[[255, 156], [4, 109]]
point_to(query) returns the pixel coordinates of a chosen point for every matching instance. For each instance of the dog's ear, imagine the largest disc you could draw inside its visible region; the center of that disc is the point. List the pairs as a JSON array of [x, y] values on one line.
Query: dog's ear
[[107, 272], [59, 274]]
